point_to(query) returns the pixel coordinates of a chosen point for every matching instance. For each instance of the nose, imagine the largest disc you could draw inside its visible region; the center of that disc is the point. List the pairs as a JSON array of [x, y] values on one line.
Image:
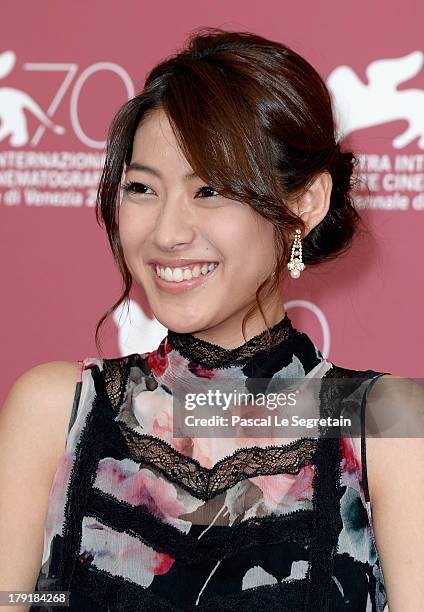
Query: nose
[[174, 224]]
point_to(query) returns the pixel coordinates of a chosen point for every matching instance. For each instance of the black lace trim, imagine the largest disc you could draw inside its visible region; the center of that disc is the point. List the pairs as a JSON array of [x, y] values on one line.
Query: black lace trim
[[82, 477], [116, 373], [121, 595], [326, 522], [211, 355], [205, 483], [326, 488], [219, 542]]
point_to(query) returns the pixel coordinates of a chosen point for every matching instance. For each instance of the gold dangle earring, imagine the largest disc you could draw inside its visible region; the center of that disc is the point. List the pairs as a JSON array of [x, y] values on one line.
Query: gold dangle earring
[[295, 265]]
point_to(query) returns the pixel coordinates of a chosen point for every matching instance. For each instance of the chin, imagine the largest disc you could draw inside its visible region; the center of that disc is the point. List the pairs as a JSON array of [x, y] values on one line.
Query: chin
[[181, 323]]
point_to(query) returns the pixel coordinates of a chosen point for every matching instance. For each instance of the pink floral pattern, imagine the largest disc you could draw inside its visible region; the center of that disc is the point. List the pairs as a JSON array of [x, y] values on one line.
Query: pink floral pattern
[[168, 503]]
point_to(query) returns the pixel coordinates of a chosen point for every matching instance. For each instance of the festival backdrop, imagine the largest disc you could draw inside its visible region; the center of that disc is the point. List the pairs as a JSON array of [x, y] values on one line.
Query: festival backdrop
[[65, 68]]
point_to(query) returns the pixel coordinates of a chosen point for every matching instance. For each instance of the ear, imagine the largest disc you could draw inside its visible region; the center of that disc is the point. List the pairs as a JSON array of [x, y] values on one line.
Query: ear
[[314, 204]]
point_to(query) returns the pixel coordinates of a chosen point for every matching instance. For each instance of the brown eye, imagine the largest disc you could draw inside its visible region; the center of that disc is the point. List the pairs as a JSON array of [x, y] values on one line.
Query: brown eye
[[134, 187], [207, 190]]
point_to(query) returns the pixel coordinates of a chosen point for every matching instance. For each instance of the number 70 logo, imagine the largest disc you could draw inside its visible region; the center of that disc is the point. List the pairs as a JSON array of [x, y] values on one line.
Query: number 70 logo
[[15, 101]]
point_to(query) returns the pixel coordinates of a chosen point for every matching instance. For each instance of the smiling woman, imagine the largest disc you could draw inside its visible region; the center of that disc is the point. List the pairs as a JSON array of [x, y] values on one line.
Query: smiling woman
[[178, 236], [222, 175], [227, 138]]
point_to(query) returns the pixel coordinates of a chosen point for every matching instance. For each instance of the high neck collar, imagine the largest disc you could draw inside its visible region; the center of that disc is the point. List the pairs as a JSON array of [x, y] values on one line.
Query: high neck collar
[[183, 356], [213, 356]]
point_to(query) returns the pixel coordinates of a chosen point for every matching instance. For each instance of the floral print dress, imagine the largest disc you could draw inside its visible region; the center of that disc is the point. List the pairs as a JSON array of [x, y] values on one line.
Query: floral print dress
[[141, 520]]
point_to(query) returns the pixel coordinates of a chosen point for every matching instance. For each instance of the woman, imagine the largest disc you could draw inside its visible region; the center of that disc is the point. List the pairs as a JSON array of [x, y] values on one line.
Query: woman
[[221, 177]]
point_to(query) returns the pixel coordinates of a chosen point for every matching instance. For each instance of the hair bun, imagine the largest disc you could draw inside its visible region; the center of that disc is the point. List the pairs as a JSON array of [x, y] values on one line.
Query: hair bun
[[343, 178]]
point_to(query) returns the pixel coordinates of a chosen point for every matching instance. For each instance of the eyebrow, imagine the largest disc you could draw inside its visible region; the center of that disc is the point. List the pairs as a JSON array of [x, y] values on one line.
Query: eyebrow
[[144, 168]]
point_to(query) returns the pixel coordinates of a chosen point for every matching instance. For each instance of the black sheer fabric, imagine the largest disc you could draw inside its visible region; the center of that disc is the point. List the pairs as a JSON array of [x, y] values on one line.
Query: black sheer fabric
[[214, 356], [139, 521]]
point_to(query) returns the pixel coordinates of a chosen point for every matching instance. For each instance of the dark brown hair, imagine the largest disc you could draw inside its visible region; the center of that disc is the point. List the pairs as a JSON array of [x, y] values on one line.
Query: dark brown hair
[[255, 121]]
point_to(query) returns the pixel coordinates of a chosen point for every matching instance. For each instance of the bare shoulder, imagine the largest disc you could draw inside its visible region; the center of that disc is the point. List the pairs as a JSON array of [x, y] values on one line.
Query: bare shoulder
[[48, 382], [38, 406], [45, 377], [395, 460], [394, 416], [33, 431]]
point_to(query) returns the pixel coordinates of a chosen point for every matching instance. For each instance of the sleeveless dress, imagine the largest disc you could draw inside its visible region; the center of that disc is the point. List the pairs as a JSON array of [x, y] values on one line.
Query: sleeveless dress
[[141, 521]]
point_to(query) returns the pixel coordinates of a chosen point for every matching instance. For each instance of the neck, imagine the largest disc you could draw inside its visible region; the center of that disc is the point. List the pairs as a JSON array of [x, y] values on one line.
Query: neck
[[211, 355], [228, 333], [283, 349]]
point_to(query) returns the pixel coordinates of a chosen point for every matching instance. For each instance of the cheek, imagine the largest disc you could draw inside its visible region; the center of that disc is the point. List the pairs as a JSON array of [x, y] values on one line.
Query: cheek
[[131, 229], [248, 242]]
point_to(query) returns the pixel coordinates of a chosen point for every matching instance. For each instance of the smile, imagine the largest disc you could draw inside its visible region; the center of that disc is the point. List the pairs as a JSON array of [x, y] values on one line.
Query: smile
[[176, 275], [178, 279]]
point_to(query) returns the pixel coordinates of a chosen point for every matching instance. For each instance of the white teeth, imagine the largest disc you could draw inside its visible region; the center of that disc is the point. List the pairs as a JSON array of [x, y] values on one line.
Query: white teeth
[[177, 275], [168, 274]]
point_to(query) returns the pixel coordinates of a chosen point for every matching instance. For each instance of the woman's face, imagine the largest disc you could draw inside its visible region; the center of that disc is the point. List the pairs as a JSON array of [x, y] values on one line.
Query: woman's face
[[171, 219]]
